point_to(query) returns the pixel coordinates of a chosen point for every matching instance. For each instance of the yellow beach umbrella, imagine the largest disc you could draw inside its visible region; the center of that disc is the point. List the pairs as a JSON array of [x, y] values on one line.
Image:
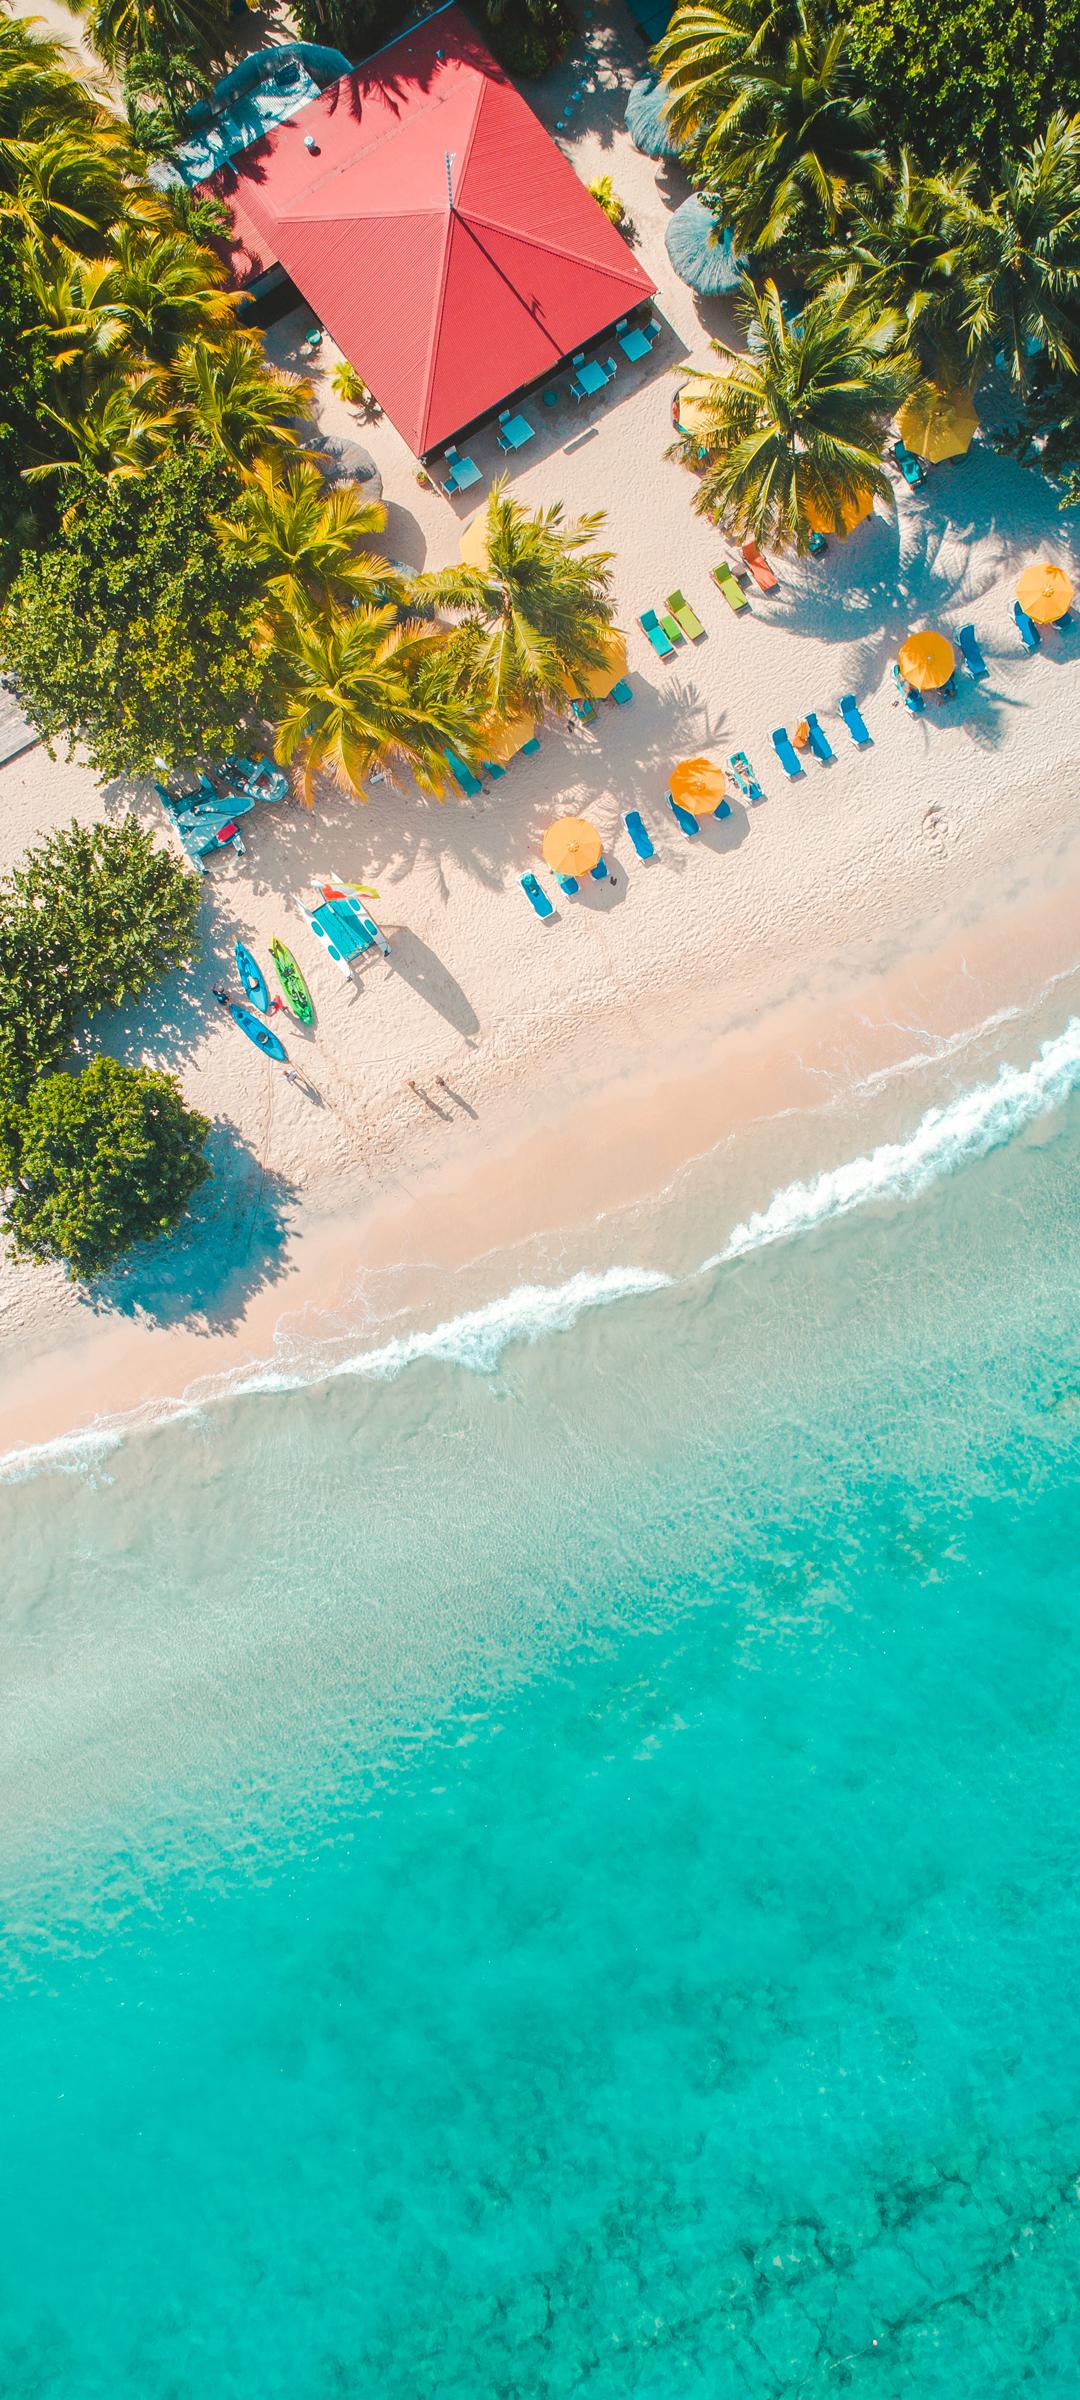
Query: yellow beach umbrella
[[839, 521], [599, 681], [572, 846], [501, 741], [1044, 592], [937, 424], [473, 549], [698, 785], [926, 661], [688, 411]]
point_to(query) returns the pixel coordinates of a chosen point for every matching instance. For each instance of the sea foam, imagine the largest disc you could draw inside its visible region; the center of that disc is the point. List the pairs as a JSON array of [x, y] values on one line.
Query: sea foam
[[950, 1136]]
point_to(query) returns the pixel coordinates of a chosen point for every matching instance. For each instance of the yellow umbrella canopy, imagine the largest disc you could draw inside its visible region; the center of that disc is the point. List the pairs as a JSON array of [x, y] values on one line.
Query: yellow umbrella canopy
[[839, 521], [1044, 592], [698, 785], [572, 846], [599, 681], [927, 661], [473, 546], [501, 741], [688, 411], [937, 424]]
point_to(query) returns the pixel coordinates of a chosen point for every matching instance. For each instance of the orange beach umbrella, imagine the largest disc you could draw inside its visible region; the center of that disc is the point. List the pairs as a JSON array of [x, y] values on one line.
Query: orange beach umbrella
[[572, 846], [927, 661], [698, 785], [473, 548], [1044, 592], [500, 741], [599, 681], [841, 519], [937, 424]]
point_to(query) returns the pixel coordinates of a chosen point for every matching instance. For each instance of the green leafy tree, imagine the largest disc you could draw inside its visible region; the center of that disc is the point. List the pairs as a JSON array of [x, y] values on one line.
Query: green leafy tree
[[134, 630], [109, 1158], [967, 79], [310, 543], [363, 689], [111, 904], [535, 615], [1022, 258], [800, 422]]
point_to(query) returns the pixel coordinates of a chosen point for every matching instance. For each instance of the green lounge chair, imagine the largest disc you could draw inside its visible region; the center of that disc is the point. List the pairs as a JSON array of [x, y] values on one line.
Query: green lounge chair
[[732, 591], [670, 625], [685, 618]]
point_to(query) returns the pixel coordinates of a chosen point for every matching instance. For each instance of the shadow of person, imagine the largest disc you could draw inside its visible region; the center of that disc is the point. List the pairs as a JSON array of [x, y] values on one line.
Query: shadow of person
[[424, 972]]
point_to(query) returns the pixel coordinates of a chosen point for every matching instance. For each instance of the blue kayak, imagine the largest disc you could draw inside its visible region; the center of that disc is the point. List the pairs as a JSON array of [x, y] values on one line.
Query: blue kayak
[[256, 1031], [251, 976]]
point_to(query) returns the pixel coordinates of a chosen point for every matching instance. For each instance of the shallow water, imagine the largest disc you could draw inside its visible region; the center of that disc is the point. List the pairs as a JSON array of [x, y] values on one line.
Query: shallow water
[[558, 1872]]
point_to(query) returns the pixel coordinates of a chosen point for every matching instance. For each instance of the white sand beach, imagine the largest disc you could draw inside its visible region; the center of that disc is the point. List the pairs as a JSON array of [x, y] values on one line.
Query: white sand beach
[[582, 1057]]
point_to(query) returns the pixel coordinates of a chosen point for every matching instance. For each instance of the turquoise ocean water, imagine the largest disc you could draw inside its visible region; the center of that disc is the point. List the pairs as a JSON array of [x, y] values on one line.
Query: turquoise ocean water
[[545, 1866]]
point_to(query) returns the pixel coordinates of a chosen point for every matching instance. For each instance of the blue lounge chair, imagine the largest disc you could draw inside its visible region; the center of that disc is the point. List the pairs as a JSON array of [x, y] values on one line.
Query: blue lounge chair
[[567, 884], [683, 819], [971, 653], [1028, 632], [621, 692], [543, 906], [637, 830], [911, 698], [492, 768], [817, 545], [819, 741], [911, 468], [599, 872], [744, 776], [654, 633], [463, 775], [787, 754], [853, 719], [527, 748]]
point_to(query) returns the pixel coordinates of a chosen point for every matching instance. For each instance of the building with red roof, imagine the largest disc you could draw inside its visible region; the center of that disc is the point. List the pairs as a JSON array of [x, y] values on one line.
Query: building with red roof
[[434, 229]]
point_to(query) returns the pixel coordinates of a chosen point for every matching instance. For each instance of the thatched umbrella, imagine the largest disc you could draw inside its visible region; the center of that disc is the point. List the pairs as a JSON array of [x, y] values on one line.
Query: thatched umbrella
[[699, 251], [646, 119]]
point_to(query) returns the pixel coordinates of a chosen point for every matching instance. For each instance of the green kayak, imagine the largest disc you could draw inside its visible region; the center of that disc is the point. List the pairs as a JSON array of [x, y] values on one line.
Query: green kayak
[[292, 982]]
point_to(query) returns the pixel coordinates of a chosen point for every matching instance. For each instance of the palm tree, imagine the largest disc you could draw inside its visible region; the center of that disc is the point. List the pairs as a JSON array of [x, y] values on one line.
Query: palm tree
[[901, 244], [38, 86], [798, 424], [66, 185], [238, 403], [310, 540], [361, 689], [1021, 254], [535, 614], [705, 41], [168, 292], [795, 140], [125, 29], [118, 430]]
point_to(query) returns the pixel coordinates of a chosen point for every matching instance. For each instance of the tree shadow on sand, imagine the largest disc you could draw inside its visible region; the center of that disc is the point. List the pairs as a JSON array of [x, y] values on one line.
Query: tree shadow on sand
[[231, 1245]]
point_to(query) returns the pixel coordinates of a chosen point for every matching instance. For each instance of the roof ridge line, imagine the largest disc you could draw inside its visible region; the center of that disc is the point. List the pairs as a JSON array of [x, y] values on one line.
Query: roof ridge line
[[518, 233], [453, 215]]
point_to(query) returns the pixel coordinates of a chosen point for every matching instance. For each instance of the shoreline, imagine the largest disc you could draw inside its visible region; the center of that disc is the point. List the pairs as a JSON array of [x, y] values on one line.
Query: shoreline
[[543, 1203]]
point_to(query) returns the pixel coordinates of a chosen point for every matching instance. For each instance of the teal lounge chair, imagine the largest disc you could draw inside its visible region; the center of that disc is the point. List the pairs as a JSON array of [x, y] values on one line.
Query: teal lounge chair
[[744, 776], [971, 653], [911, 698], [819, 741], [463, 775], [621, 693], [1028, 632], [599, 872], [583, 710], [683, 819], [684, 617], [538, 898], [654, 633], [852, 716], [527, 748], [638, 832], [567, 884], [787, 754]]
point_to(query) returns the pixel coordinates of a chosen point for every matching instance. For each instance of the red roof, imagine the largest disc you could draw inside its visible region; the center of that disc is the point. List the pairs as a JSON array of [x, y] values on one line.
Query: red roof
[[444, 309]]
